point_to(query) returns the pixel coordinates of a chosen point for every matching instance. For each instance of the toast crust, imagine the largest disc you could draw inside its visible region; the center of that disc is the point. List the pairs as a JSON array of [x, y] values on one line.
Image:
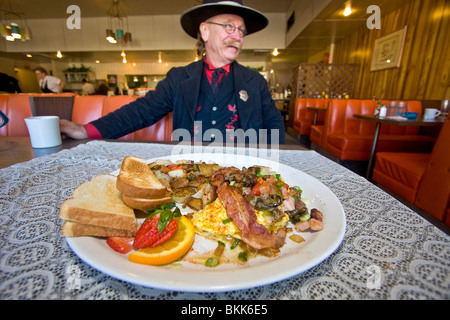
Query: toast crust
[[98, 218], [144, 204], [75, 229]]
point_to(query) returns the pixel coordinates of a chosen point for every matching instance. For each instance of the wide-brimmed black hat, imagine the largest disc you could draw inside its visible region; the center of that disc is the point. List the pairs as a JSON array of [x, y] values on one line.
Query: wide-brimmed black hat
[[193, 17]]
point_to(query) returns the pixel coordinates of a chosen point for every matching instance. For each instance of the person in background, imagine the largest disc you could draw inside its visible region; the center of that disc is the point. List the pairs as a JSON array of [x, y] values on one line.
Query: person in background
[[102, 89], [9, 84], [87, 88], [214, 93], [47, 83]]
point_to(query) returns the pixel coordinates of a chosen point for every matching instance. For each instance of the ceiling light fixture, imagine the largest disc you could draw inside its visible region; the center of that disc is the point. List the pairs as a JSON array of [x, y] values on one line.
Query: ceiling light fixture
[[116, 17], [348, 8], [13, 24]]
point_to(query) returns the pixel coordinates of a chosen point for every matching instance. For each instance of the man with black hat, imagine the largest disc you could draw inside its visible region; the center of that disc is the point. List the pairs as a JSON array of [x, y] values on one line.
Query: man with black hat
[[214, 99]]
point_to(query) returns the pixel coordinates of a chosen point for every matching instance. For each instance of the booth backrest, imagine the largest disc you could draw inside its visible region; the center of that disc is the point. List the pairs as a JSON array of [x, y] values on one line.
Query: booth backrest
[[304, 118], [160, 131], [17, 108], [340, 118], [89, 108], [52, 106], [85, 109], [433, 195]]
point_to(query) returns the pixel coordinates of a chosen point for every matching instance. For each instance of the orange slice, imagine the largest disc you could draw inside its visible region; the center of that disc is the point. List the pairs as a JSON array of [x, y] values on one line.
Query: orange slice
[[169, 251]]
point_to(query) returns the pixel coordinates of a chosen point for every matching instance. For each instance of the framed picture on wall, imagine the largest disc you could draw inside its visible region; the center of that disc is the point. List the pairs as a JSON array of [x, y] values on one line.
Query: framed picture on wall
[[388, 50]]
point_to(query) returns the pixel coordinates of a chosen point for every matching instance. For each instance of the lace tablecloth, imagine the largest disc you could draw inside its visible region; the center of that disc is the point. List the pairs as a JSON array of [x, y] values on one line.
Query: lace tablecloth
[[384, 239]]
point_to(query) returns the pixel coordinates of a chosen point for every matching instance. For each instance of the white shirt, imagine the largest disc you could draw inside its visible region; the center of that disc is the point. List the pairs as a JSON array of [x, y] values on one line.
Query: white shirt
[[88, 88], [52, 83]]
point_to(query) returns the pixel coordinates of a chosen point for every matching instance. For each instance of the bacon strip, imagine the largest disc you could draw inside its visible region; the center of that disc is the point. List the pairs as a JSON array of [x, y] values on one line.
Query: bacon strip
[[244, 216]]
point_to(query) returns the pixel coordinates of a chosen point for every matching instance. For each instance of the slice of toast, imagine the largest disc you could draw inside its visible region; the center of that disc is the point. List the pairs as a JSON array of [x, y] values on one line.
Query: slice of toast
[[143, 203], [99, 203], [136, 180], [75, 229]]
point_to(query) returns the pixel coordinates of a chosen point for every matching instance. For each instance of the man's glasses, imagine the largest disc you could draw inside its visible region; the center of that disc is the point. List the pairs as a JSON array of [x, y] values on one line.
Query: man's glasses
[[230, 28]]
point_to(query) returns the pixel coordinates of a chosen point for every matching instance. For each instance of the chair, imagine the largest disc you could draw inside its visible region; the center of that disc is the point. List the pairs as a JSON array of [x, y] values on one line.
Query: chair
[[52, 106]]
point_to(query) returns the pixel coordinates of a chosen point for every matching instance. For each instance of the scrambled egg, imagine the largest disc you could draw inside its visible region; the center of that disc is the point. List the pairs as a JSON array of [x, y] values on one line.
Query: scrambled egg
[[213, 222]]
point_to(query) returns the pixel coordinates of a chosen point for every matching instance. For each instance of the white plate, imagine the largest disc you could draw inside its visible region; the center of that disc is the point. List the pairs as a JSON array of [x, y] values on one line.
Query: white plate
[[293, 259]]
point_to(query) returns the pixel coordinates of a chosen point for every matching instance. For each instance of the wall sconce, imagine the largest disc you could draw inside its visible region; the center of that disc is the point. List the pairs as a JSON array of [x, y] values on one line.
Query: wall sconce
[[59, 54], [275, 52], [159, 57], [116, 17], [13, 24]]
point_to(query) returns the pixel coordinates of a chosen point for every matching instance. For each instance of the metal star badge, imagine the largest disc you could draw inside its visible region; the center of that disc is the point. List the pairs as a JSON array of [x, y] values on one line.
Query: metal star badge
[[243, 95]]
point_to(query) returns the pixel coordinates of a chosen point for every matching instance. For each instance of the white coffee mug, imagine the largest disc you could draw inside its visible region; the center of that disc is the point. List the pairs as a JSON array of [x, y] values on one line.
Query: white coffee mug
[[431, 113], [44, 131]]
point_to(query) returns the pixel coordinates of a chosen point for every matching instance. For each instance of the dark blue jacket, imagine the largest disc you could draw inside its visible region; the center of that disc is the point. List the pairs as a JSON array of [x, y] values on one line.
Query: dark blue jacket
[[179, 93]]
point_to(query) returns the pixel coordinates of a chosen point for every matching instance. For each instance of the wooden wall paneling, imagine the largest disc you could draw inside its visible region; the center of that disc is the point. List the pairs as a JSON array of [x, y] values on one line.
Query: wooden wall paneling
[[425, 66], [441, 61], [421, 52]]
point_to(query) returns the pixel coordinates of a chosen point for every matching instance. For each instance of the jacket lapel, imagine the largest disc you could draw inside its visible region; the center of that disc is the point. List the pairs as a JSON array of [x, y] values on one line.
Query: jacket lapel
[[243, 94], [190, 87]]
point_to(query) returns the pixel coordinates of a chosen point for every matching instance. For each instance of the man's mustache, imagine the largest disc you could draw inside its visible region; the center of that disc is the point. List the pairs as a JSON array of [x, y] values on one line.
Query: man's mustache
[[234, 44]]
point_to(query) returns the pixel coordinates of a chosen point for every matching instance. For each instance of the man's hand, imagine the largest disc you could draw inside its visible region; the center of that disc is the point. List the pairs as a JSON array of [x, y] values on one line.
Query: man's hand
[[72, 130]]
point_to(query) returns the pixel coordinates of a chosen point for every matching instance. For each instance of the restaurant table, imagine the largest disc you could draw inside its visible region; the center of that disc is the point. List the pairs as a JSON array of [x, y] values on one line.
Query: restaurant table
[[398, 121], [412, 255], [316, 111]]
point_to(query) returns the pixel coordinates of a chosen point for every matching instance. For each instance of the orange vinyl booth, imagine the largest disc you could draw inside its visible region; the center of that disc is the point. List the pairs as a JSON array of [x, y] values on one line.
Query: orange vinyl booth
[[304, 118], [85, 109], [422, 179], [17, 108], [349, 138]]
